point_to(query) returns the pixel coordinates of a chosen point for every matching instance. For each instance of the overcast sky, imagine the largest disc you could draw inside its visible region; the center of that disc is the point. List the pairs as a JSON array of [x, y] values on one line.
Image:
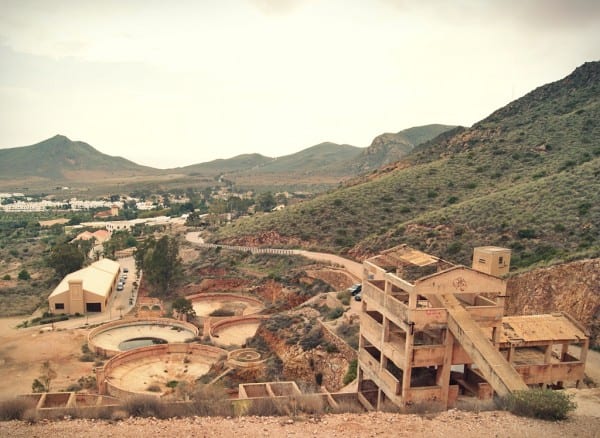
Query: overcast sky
[[172, 83]]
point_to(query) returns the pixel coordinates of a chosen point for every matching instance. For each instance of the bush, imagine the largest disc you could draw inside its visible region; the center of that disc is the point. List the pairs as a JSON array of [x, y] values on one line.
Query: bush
[[222, 312], [544, 404], [24, 275], [351, 373], [312, 340], [335, 313], [212, 400], [145, 406], [14, 409], [6, 277], [526, 234]]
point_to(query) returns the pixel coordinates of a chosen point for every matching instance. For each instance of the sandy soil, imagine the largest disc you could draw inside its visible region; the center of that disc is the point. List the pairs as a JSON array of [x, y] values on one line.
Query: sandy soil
[[22, 353], [237, 334], [447, 424]]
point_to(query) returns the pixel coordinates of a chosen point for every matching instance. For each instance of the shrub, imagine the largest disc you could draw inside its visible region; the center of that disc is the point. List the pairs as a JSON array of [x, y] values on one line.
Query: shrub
[[211, 400], [6, 277], [153, 387], [312, 340], [24, 275], [14, 409], [331, 348], [145, 406], [335, 313], [351, 373], [544, 404], [222, 312], [526, 234], [87, 357]]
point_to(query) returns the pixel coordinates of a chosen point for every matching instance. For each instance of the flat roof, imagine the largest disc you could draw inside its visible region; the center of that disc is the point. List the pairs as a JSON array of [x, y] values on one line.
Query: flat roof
[[539, 328]]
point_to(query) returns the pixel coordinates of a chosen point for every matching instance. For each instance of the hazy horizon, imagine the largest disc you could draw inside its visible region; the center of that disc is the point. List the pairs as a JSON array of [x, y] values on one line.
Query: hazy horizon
[[168, 86]]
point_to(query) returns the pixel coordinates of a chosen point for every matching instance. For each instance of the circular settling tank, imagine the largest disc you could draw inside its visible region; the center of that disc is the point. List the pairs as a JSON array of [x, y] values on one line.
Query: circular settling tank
[[224, 305], [124, 335], [157, 369], [235, 331]]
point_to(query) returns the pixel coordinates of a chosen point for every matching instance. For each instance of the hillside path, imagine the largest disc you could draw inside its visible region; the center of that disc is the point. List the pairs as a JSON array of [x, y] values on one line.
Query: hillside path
[[355, 269]]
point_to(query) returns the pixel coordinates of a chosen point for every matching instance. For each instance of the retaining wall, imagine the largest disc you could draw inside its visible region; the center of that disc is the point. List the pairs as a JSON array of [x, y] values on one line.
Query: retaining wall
[[348, 352], [252, 249]]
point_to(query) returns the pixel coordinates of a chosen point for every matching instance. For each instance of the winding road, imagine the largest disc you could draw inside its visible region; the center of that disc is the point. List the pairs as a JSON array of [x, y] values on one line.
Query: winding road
[[355, 269]]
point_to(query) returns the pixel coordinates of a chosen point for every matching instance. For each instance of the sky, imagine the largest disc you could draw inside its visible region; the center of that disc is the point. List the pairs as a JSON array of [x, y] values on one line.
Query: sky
[[175, 83]]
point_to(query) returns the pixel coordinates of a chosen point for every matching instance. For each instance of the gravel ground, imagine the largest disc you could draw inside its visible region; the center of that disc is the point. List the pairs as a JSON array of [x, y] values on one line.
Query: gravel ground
[[447, 424]]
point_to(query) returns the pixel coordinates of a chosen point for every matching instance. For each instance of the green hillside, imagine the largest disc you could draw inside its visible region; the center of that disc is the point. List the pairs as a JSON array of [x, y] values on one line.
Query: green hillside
[[220, 166], [58, 159], [312, 159], [325, 164], [526, 177]]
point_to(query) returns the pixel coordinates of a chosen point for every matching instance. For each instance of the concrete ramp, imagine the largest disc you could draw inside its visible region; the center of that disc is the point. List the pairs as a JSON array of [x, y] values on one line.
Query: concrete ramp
[[490, 362]]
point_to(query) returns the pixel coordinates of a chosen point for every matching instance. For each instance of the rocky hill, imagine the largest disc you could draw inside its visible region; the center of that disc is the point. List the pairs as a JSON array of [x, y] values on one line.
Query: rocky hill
[[527, 177], [573, 288], [61, 159]]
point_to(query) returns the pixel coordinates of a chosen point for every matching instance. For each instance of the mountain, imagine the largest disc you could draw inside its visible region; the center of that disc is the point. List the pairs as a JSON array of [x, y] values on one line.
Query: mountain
[[329, 163], [388, 148], [526, 177], [220, 166], [58, 160], [61, 159]]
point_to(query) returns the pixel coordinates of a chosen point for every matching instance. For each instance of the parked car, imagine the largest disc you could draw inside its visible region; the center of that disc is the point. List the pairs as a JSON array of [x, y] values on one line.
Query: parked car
[[358, 297], [120, 287], [355, 288], [125, 269]]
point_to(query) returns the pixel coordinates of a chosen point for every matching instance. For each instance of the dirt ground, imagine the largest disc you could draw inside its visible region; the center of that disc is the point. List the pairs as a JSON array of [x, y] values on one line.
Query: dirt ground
[[448, 424], [23, 351]]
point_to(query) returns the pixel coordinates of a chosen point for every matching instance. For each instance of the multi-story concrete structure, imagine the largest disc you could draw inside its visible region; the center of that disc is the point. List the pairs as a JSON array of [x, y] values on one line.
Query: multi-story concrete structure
[[431, 330]]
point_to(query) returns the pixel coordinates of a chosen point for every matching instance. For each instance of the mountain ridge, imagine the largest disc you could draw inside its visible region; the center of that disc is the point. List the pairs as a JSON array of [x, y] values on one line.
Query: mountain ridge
[[59, 160], [526, 177]]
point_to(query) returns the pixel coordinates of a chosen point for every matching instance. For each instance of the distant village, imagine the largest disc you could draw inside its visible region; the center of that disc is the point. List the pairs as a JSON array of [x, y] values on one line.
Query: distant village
[[224, 199]]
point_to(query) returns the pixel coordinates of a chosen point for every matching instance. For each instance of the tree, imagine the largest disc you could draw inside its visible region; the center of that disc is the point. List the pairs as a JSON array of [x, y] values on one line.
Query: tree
[[24, 275], [183, 306], [265, 202], [65, 258], [42, 383], [161, 264]]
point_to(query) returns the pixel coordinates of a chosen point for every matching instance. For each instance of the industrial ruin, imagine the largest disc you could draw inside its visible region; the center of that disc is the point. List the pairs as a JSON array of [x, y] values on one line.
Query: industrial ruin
[[431, 330]]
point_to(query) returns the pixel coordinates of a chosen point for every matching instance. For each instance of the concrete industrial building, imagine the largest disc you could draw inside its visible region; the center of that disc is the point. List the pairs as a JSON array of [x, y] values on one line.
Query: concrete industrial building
[[431, 330], [86, 290]]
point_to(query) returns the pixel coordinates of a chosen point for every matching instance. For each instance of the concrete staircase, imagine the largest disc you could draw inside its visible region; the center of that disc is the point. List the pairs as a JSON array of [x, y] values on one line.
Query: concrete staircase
[[490, 362]]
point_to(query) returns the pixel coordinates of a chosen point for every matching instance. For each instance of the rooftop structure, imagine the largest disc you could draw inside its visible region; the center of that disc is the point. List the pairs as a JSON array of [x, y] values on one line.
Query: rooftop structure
[[431, 330]]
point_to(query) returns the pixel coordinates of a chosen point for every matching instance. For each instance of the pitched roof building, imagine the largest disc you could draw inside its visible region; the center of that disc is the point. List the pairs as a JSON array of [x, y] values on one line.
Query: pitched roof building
[[86, 290]]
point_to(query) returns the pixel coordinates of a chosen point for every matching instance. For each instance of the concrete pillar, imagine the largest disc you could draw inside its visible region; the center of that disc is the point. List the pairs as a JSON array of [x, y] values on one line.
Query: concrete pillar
[[443, 371]]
